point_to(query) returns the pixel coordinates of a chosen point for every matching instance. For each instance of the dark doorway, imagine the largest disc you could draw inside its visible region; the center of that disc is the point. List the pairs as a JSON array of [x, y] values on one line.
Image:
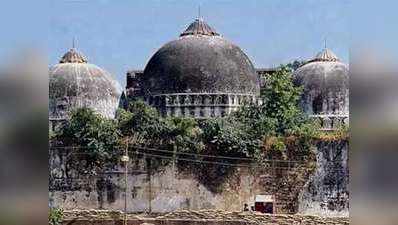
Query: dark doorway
[[269, 207], [264, 207], [317, 104]]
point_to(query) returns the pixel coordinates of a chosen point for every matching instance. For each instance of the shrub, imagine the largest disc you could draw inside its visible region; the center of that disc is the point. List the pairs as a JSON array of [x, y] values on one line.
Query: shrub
[[55, 216]]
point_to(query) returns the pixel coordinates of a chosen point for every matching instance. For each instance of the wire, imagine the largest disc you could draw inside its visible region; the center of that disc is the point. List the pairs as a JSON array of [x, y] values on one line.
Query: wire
[[194, 154], [219, 157], [207, 162], [159, 150], [225, 164], [217, 163], [185, 153], [191, 160]]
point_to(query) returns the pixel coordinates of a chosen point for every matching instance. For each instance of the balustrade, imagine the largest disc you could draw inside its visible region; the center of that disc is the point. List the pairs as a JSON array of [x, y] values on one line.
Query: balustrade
[[331, 121]]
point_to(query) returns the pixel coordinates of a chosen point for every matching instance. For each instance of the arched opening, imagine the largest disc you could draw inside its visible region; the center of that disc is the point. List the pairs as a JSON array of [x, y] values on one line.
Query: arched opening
[[317, 104]]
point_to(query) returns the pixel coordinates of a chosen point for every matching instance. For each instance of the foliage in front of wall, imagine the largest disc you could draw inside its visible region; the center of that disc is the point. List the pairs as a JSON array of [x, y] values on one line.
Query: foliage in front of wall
[[55, 216], [276, 129], [95, 139], [341, 133]]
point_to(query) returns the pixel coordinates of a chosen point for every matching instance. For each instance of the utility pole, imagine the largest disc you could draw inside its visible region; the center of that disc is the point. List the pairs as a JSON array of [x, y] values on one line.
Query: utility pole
[[134, 139], [174, 155], [148, 161], [125, 159]]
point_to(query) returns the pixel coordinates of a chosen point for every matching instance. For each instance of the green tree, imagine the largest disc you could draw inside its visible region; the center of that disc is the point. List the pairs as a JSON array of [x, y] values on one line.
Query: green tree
[[295, 64], [185, 134], [55, 216], [94, 136], [279, 120], [228, 137], [160, 132], [143, 119], [281, 98]]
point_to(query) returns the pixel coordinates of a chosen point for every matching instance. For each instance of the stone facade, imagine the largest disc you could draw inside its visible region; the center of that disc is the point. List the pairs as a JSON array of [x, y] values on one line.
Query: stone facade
[[203, 217], [167, 190], [199, 105], [326, 193], [331, 122]]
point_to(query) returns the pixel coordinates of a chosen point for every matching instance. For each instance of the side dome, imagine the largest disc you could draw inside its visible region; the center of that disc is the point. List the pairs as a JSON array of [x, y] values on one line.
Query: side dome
[[325, 81], [74, 83], [200, 61]]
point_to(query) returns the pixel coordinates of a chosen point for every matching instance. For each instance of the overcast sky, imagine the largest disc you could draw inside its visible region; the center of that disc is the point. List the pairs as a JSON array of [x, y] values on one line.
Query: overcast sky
[[123, 34]]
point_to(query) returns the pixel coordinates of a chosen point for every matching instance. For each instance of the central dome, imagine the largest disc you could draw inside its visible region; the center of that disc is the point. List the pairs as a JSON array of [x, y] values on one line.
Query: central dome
[[200, 61]]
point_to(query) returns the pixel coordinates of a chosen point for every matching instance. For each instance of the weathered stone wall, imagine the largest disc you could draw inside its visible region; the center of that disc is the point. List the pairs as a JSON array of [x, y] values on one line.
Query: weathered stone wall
[[326, 192], [197, 218], [170, 189], [266, 221]]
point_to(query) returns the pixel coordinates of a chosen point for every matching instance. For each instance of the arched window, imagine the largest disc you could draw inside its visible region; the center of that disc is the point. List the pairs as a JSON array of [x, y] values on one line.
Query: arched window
[[202, 112], [317, 104]]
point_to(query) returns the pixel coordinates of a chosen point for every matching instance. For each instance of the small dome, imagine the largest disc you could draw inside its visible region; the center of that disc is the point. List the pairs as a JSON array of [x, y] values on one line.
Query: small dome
[[326, 84], [325, 55], [73, 56], [75, 83], [200, 61], [199, 27]]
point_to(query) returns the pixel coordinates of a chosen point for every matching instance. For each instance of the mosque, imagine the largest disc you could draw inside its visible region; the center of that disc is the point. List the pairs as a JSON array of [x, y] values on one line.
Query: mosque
[[199, 75]]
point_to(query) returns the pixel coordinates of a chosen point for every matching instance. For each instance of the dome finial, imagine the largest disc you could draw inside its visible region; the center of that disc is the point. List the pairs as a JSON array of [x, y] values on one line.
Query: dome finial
[[324, 43], [73, 42], [199, 15]]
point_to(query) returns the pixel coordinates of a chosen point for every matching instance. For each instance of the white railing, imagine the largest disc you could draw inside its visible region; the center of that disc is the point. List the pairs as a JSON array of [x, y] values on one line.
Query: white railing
[[331, 122]]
